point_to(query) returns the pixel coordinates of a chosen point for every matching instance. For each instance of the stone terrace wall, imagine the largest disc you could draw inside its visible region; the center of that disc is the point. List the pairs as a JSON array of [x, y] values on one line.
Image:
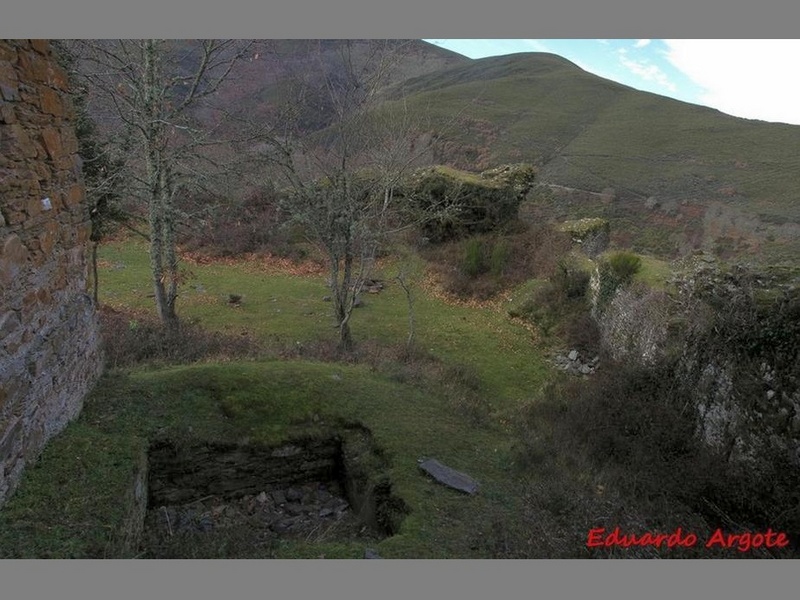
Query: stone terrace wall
[[49, 334]]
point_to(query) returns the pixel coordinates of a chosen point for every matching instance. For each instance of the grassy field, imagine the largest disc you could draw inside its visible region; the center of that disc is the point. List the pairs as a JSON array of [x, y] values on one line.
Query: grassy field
[[290, 309], [73, 503]]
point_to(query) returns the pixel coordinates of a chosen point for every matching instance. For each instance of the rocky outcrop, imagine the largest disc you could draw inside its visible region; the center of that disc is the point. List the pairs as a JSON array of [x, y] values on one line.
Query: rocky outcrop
[[634, 325], [576, 364], [49, 334]]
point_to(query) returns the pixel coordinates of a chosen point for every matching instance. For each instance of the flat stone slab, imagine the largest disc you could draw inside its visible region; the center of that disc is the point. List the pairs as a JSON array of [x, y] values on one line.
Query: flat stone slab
[[449, 477]]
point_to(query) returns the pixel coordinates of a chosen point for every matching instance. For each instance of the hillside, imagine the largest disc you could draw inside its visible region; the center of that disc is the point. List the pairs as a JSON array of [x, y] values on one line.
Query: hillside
[[274, 66], [672, 176]]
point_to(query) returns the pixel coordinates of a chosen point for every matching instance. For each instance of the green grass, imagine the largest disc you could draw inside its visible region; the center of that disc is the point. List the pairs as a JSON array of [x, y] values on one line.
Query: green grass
[[75, 501], [654, 272], [290, 309], [80, 513]]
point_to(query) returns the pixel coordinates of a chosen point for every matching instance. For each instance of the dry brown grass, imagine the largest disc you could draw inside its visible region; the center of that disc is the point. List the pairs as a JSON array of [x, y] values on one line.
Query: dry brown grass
[[528, 252], [133, 338]]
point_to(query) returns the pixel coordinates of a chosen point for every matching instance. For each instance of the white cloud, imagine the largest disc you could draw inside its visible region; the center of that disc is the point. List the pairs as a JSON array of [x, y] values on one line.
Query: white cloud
[[641, 43], [755, 79], [646, 70]]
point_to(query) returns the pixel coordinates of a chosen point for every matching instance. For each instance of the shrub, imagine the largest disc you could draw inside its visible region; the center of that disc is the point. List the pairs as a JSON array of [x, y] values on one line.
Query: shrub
[[505, 261], [131, 339], [574, 491], [632, 416], [583, 334], [555, 304], [615, 271], [254, 223], [543, 308], [571, 281], [624, 265], [452, 204], [473, 264], [499, 258], [475, 257]]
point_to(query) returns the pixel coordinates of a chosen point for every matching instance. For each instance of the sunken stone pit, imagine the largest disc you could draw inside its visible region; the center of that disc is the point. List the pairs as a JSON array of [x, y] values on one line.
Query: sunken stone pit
[[215, 500]]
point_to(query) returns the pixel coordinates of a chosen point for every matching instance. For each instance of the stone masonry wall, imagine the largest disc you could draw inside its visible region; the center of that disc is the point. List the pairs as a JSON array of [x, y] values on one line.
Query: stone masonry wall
[[49, 333]]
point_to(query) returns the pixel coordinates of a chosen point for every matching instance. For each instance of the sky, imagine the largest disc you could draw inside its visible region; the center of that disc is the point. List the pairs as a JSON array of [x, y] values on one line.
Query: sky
[[754, 79]]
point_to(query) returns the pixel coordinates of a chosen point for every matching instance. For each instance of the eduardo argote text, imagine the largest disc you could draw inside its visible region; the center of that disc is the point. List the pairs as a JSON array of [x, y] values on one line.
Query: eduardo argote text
[[743, 542]]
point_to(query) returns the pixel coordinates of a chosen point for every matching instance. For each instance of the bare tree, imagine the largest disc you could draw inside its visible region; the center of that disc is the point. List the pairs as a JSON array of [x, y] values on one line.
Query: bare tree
[[148, 96], [341, 181], [403, 279]]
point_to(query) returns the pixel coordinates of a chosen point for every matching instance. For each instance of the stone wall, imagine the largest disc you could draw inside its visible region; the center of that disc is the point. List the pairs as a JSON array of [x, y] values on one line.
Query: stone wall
[[49, 335], [181, 473]]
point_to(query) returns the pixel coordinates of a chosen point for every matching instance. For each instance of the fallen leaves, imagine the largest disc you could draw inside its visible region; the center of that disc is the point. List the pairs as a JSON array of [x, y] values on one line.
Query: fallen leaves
[[263, 263]]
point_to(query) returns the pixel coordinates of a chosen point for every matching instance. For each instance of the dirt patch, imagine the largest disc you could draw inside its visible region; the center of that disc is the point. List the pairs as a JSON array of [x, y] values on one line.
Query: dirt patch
[[253, 524]]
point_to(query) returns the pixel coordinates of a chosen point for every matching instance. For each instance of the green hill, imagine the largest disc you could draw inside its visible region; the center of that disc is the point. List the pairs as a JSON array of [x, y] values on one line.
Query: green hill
[[671, 175]]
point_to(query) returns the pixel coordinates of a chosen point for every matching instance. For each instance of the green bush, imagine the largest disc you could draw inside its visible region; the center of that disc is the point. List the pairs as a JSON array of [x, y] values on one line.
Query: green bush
[[615, 271], [452, 204], [499, 258], [558, 301], [543, 308], [473, 264], [571, 280], [624, 265]]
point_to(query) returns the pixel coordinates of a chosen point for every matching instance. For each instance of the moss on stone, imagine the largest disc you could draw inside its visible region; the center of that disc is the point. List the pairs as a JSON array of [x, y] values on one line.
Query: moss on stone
[[580, 228], [453, 203]]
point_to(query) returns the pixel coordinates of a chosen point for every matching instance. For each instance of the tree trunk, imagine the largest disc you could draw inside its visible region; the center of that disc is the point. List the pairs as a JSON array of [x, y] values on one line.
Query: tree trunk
[[163, 262], [410, 300], [345, 338], [343, 302], [95, 284], [170, 246], [348, 297]]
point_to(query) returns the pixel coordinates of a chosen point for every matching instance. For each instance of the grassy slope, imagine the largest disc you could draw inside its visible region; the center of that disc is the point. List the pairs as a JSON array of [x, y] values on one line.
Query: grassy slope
[[537, 102], [670, 148], [543, 103], [256, 402], [589, 133]]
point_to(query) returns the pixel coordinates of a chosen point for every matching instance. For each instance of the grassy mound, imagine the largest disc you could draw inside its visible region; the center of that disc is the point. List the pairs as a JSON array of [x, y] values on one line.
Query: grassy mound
[[74, 503]]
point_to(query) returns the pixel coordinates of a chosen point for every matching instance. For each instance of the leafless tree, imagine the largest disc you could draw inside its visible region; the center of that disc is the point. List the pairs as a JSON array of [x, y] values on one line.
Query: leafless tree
[[154, 100], [341, 180]]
